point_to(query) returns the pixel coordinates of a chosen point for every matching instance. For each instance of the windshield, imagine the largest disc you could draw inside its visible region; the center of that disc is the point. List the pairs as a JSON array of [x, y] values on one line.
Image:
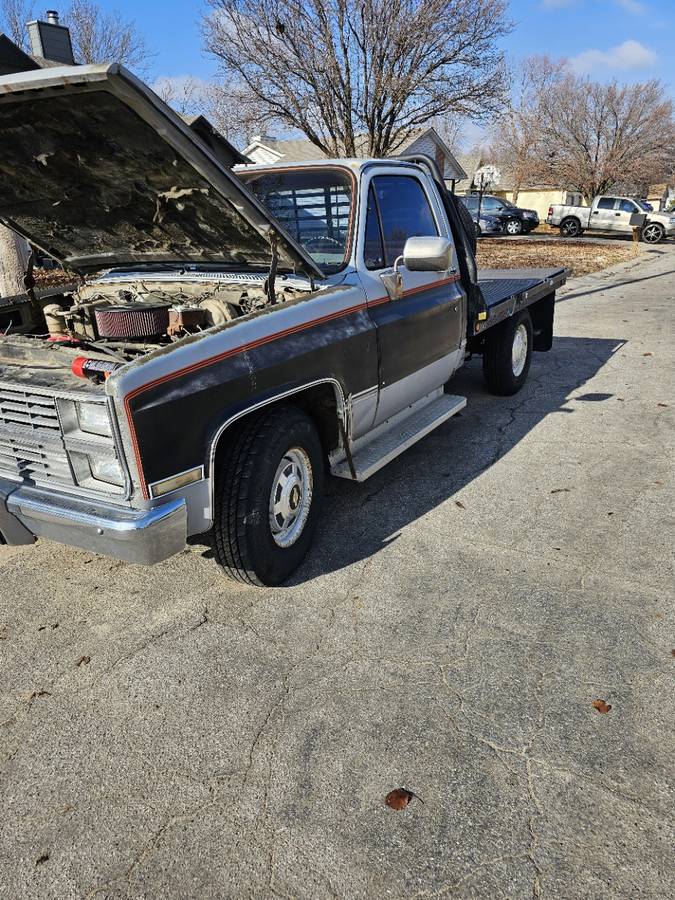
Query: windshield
[[644, 205], [314, 205]]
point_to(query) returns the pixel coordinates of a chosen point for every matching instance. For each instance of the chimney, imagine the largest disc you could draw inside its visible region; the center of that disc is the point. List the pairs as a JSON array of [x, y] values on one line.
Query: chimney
[[50, 40]]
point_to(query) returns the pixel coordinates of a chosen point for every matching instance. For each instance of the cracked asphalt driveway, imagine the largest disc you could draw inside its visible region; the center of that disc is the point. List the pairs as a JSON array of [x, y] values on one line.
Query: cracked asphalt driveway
[[165, 733]]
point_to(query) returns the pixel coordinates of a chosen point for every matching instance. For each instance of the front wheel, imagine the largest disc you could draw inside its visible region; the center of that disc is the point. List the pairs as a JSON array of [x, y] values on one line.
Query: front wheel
[[653, 233], [507, 355], [268, 494], [514, 227]]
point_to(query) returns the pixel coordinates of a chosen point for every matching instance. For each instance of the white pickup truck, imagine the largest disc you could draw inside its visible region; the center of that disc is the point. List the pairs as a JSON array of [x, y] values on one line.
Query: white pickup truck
[[612, 214]]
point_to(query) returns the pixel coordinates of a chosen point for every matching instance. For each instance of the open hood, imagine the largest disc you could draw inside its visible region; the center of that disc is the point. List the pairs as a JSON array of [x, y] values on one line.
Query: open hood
[[97, 171]]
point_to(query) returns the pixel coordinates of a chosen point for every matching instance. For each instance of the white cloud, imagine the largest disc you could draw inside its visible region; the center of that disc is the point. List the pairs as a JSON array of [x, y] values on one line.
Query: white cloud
[[631, 6], [629, 55]]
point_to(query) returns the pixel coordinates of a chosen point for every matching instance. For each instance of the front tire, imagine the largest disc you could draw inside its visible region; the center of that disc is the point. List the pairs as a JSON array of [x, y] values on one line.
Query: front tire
[[514, 227], [507, 355], [653, 233], [268, 493]]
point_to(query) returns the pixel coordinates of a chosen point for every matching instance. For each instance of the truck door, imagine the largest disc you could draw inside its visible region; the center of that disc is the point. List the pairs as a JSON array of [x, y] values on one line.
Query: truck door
[[602, 217], [622, 213], [420, 334]]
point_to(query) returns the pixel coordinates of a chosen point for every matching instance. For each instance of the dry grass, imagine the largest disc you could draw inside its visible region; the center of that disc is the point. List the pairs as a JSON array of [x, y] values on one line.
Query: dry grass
[[580, 257]]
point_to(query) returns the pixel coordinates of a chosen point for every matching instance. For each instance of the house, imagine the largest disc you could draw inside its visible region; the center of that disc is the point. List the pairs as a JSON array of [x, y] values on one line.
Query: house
[[538, 197], [50, 45], [661, 196], [266, 149], [471, 163]]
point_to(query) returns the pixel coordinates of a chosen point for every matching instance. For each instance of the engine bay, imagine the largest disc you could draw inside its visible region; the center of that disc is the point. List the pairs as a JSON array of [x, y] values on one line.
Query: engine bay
[[124, 319]]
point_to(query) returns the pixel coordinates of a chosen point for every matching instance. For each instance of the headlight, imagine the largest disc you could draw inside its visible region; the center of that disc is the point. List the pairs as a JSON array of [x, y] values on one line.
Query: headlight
[[672, 220], [105, 468], [94, 419]]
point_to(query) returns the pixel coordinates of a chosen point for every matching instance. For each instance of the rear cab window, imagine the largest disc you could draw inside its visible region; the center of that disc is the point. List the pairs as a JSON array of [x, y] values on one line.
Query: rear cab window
[[606, 202], [314, 205]]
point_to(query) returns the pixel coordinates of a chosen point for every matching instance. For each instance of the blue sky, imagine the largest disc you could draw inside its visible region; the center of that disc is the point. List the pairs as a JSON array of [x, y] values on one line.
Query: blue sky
[[629, 39]]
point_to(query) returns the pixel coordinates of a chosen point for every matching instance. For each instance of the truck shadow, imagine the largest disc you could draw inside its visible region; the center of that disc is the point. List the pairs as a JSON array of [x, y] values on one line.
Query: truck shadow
[[358, 520]]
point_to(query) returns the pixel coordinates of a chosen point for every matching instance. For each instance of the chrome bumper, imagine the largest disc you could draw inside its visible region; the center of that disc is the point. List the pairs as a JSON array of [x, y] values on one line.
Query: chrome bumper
[[143, 536]]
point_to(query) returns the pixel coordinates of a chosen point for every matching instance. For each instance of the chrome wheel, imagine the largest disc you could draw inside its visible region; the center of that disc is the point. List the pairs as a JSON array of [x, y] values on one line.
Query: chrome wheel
[[570, 228], [291, 497], [652, 233], [519, 350]]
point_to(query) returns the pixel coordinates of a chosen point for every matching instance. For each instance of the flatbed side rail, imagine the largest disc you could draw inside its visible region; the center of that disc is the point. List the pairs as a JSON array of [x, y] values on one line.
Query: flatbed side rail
[[507, 306]]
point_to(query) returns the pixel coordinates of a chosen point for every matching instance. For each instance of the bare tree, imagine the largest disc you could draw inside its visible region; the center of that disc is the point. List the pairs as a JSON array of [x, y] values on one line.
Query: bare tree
[[13, 17], [338, 69], [229, 108], [104, 37], [574, 133]]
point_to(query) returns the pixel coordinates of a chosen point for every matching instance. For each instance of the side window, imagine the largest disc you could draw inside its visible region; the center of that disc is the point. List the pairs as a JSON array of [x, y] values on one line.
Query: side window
[[373, 253], [606, 203], [404, 212], [627, 206], [491, 204]]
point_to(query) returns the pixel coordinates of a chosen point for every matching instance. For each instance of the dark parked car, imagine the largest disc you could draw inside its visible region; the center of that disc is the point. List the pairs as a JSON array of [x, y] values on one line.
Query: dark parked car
[[514, 219]]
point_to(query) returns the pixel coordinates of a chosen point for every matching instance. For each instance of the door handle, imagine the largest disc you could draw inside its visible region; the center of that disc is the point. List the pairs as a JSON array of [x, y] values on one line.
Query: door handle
[[617, 214]]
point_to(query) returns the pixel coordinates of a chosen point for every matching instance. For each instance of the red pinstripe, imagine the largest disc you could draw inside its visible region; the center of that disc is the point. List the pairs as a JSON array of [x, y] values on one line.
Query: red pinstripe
[[252, 345]]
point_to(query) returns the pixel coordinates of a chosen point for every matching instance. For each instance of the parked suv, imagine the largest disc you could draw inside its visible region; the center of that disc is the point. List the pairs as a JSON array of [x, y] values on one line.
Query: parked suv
[[487, 224], [514, 219]]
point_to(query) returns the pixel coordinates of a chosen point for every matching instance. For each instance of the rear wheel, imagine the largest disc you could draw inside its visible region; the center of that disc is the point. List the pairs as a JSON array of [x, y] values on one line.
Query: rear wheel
[[570, 227], [268, 492], [507, 355], [514, 226], [653, 233]]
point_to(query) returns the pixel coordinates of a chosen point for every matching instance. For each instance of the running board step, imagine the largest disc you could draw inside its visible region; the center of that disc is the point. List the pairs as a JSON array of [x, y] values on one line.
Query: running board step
[[402, 434]]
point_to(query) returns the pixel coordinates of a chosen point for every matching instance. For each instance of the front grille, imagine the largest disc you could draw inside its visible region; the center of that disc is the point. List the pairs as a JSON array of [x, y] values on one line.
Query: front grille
[[31, 443]]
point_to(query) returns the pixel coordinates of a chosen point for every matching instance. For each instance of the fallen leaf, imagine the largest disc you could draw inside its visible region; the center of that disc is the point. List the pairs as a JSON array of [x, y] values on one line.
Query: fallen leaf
[[460, 504], [601, 706], [37, 694], [42, 859], [673, 652], [610, 513], [662, 404], [648, 353], [561, 490], [398, 798], [621, 399], [83, 661]]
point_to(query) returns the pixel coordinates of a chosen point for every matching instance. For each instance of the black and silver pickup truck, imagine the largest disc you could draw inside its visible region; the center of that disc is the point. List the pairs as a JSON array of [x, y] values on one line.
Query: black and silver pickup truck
[[233, 336]]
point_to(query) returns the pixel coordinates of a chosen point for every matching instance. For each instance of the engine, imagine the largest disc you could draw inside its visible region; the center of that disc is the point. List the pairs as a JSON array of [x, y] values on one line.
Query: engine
[[129, 321]]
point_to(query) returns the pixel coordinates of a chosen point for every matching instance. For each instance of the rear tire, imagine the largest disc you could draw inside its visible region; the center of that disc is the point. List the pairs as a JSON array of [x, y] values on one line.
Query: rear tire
[[570, 227], [268, 494], [507, 355]]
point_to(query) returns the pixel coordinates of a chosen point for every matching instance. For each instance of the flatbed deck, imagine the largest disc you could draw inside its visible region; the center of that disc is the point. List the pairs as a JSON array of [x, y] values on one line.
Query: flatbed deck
[[507, 290]]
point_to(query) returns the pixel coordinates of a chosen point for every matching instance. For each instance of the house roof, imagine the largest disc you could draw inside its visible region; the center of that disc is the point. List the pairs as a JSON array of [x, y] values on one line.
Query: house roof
[[471, 163], [302, 150], [13, 59], [226, 152]]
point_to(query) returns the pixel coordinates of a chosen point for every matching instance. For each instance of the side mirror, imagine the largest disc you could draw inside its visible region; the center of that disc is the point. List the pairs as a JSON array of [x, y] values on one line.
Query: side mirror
[[426, 254]]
